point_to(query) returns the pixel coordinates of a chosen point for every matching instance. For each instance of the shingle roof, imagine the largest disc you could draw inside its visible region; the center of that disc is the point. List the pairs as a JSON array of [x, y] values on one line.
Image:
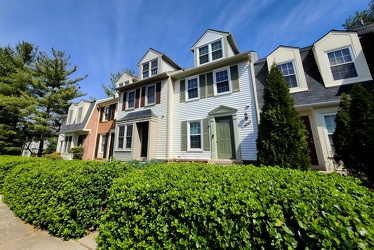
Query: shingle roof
[[365, 29], [137, 115]]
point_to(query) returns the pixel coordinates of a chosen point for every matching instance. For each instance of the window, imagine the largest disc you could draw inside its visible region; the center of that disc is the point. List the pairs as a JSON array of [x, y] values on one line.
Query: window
[[80, 111], [192, 89], [121, 132], [145, 70], [203, 54], [106, 113], [210, 52], [194, 135], [70, 116], [81, 139], [103, 143], [68, 140], [341, 64], [127, 82], [330, 127], [128, 136], [216, 50], [154, 64], [288, 71], [151, 93], [120, 84], [222, 84], [131, 100]]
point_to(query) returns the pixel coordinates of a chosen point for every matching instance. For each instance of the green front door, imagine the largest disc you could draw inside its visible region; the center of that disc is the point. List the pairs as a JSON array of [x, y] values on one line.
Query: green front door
[[225, 139]]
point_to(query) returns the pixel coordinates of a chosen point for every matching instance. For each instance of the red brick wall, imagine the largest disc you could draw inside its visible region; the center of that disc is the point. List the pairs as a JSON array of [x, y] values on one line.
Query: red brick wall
[[90, 142]]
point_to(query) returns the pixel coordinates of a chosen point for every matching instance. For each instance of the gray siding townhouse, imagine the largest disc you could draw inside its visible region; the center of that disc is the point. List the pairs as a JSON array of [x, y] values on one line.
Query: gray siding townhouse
[[317, 76]]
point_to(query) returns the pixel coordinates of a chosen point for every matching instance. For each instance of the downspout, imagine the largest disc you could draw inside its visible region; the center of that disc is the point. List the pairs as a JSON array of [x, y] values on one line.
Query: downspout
[[254, 89], [169, 115]]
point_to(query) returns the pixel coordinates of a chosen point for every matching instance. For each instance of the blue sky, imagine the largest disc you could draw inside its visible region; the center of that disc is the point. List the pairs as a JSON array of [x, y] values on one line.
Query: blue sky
[[102, 37]]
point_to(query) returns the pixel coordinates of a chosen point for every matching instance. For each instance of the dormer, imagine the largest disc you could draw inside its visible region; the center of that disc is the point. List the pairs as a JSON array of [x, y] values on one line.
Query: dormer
[[340, 59], [214, 45], [289, 62], [125, 80], [77, 112], [155, 62]]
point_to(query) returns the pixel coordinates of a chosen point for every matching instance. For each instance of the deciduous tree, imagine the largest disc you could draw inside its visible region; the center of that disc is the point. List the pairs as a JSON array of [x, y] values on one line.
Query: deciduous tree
[[360, 18]]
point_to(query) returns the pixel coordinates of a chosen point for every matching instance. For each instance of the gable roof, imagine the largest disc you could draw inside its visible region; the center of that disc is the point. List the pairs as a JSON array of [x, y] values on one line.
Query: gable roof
[[80, 126], [164, 57], [230, 39]]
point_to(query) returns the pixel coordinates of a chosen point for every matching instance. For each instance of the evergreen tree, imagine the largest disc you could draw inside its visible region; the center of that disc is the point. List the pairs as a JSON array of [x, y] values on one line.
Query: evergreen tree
[[281, 134], [110, 90], [54, 92], [354, 134], [17, 80]]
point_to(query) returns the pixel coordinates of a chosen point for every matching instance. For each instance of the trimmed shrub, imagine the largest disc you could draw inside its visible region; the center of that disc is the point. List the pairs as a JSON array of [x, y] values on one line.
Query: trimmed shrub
[[7, 163], [53, 156], [197, 206], [77, 152], [64, 197]]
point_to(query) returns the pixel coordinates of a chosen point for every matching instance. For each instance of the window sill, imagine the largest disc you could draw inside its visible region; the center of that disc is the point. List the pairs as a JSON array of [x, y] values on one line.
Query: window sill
[[223, 93], [198, 150], [347, 81], [298, 89]]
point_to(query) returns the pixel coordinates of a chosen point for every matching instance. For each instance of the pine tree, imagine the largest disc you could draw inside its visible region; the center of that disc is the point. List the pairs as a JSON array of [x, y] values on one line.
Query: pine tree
[[354, 133], [110, 90], [17, 79], [281, 136]]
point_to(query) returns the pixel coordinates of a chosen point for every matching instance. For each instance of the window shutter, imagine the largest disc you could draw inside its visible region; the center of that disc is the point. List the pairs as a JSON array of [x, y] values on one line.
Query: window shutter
[[111, 111], [101, 114], [97, 145], [142, 98], [137, 94], [182, 95], [158, 93], [206, 144], [124, 101], [184, 136], [202, 86], [209, 81], [234, 78]]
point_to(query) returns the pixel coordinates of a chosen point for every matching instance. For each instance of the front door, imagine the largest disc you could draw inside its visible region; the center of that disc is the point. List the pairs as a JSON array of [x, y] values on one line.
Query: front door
[[143, 136], [224, 137], [311, 146]]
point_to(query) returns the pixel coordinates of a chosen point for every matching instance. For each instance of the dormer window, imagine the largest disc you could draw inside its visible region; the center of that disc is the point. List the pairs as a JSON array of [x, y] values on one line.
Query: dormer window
[[210, 52], [288, 71], [154, 66], [146, 70], [341, 64]]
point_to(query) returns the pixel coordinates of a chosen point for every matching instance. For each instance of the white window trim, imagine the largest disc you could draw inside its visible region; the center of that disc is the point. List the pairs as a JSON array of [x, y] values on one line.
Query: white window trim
[[145, 71], [296, 74], [210, 57], [146, 95], [326, 133], [117, 137], [106, 111], [215, 81], [128, 99], [189, 137], [101, 151], [80, 115], [70, 117], [124, 137], [350, 79], [186, 88], [150, 67]]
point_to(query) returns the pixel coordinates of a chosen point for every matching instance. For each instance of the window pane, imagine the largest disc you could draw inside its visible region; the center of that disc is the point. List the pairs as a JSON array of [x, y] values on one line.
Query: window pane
[[151, 94], [222, 82], [344, 71], [120, 136], [216, 50], [216, 45], [342, 65], [289, 74], [145, 70], [192, 88], [154, 67], [204, 59], [217, 54], [131, 101], [195, 135], [128, 136], [330, 126], [203, 50]]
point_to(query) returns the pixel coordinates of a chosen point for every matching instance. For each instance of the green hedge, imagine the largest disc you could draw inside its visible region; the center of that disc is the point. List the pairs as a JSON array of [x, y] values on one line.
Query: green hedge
[[64, 197], [7, 163], [196, 206]]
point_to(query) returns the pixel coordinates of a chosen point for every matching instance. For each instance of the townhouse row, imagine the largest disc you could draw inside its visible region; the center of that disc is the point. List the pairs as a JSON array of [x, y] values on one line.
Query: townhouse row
[[210, 112]]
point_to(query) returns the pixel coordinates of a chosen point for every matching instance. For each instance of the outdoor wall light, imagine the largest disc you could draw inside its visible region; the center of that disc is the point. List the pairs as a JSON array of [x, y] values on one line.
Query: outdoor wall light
[[246, 116]]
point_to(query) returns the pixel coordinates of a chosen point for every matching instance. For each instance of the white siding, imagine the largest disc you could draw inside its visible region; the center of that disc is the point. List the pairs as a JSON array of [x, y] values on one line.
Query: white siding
[[148, 57], [160, 110], [208, 38], [199, 109]]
